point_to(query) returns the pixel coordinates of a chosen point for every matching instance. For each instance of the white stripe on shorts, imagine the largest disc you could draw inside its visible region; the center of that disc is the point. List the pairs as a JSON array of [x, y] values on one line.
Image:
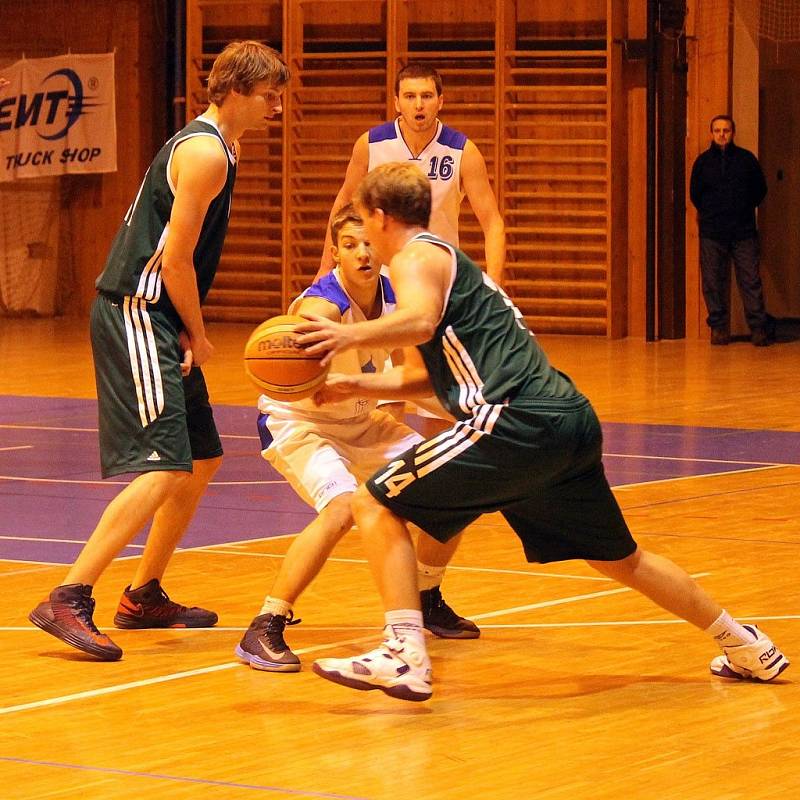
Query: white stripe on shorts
[[143, 356]]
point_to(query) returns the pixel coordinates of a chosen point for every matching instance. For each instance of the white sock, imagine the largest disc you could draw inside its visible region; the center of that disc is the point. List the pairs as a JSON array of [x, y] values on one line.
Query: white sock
[[276, 606], [407, 622], [429, 576], [728, 632]]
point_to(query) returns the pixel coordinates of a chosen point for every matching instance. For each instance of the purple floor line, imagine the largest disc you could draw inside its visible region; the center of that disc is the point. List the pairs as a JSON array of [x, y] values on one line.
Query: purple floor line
[[180, 779]]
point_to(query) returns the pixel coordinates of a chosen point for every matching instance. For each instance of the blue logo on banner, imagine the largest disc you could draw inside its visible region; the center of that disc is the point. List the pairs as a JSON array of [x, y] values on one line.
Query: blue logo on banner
[[49, 107]]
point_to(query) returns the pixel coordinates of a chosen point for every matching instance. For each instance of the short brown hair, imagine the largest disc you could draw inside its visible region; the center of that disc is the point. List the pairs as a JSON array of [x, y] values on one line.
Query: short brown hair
[[240, 66], [725, 117], [400, 190], [415, 69], [345, 215]]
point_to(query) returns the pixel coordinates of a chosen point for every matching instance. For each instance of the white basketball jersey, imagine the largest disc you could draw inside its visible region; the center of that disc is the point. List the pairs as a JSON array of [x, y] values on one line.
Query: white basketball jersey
[[350, 362], [440, 161]]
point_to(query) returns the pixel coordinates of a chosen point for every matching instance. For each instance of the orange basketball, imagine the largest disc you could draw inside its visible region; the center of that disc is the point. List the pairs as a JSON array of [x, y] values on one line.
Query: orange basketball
[[278, 365]]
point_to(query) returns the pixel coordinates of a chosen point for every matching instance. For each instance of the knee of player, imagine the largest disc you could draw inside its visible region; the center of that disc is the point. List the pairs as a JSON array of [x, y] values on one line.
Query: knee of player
[[338, 514], [363, 502]]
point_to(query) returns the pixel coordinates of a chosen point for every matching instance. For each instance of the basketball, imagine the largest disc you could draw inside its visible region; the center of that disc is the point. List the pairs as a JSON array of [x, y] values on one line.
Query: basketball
[[278, 365]]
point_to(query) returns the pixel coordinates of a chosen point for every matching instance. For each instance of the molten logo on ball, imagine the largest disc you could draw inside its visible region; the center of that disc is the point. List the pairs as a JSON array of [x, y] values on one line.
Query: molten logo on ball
[[278, 365]]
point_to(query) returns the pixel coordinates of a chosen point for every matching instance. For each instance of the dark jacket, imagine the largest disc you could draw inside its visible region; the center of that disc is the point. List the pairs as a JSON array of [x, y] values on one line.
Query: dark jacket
[[726, 187]]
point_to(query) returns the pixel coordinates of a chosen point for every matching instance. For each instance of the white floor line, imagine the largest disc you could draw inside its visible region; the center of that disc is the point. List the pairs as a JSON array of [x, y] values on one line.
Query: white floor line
[[103, 482], [24, 571], [16, 447], [219, 667], [38, 563], [21, 427], [63, 541], [563, 600], [522, 626], [700, 458], [218, 551], [376, 628], [122, 687], [703, 475]]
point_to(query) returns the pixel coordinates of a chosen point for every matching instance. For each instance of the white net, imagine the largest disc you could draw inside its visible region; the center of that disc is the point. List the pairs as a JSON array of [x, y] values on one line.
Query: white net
[[780, 20], [29, 234]]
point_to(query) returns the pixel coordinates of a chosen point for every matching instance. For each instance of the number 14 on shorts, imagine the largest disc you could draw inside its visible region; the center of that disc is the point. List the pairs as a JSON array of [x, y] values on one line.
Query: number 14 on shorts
[[395, 483]]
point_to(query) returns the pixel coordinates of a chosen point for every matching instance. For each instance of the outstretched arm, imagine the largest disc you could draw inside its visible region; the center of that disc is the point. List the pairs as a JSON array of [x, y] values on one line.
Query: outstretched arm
[[409, 380], [475, 180]]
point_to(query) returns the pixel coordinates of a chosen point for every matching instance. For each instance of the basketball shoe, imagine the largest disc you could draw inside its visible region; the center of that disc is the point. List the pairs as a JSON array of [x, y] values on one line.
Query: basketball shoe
[[67, 615], [758, 661], [263, 646], [441, 620], [398, 667], [150, 607]]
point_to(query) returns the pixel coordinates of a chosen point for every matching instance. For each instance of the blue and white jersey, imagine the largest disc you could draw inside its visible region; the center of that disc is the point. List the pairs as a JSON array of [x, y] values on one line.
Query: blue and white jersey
[[440, 161], [331, 288]]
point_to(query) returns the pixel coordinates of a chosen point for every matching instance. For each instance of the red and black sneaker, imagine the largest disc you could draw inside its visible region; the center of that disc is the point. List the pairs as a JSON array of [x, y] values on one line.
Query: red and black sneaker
[[150, 607], [67, 615]]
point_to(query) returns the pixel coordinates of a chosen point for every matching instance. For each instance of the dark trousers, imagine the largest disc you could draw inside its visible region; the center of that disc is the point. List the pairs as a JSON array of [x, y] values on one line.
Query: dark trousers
[[715, 268]]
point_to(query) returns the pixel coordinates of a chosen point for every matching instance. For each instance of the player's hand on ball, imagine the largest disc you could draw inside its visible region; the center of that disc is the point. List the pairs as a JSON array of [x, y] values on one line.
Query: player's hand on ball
[[336, 387], [321, 335]]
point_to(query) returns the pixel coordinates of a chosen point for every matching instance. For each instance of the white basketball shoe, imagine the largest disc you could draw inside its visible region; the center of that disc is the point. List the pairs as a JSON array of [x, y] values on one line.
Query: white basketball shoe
[[758, 661], [399, 667]]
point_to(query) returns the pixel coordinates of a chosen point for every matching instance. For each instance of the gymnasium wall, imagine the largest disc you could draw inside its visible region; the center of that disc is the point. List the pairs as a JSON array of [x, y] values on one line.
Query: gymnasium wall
[[90, 207]]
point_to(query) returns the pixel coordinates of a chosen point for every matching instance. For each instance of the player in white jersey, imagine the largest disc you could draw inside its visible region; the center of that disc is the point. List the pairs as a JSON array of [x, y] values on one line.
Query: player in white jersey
[[452, 162], [455, 168], [325, 453]]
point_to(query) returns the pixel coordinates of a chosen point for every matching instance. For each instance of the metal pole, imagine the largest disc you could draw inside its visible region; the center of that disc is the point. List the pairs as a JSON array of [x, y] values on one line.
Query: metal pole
[[652, 138]]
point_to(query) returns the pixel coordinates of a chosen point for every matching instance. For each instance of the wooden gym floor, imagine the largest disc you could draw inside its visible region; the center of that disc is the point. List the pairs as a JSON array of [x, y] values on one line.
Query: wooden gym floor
[[578, 688]]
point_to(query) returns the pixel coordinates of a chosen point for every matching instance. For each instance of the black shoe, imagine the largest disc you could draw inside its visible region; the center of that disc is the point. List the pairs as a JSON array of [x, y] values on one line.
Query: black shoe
[[441, 620], [150, 607], [263, 646], [720, 336], [67, 615], [762, 337]]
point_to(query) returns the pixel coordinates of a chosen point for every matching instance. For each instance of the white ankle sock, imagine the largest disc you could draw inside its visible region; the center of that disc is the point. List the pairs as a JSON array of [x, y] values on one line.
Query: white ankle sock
[[728, 632], [274, 605], [407, 622], [428, 576]]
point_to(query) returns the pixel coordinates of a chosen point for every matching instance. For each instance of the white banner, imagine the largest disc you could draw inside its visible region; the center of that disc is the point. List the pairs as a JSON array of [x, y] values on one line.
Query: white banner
[[57, 117]]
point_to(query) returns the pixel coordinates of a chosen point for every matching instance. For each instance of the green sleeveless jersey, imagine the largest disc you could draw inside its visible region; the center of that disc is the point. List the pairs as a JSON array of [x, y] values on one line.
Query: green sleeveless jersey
[[483, 354], [133, 267]]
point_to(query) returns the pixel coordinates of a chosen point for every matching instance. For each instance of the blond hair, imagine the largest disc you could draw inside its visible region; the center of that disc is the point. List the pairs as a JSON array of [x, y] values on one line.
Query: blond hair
[[400, 190], [240, 66]]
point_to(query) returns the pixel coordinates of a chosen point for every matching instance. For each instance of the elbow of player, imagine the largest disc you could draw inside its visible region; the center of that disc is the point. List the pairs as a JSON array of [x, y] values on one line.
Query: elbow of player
[[427, 329]]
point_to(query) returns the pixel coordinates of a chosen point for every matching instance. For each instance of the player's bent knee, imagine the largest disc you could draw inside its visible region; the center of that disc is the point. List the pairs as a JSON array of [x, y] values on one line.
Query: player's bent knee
[[363, 502], [617, 569], [338, 514]]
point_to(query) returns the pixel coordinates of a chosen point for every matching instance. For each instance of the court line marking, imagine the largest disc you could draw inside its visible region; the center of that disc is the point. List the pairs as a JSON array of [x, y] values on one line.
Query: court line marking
[[26, 571], [229, 665], [63, 541], [28, 561], [699, 458], [376, 629], [16, 447], [449, 566], [174, 676], [180, 779], [706, 475], [103, 482]]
